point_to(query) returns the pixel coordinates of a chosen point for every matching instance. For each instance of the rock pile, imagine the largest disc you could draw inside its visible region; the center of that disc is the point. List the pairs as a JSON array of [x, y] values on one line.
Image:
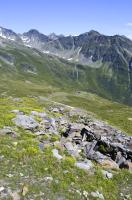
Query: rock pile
[[93, 139], [102, 143]]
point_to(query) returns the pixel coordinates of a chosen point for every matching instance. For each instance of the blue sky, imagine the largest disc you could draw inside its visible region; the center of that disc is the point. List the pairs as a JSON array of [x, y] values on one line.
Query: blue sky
[[68, 16]]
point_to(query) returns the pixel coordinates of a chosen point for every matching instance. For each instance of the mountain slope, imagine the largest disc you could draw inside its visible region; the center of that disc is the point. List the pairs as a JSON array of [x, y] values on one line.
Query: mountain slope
[[53, 61], [29, 67]]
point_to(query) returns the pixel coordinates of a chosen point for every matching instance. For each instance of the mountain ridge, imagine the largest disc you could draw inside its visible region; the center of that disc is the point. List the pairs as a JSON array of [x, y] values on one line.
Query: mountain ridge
[[86, 48], [91, 61]]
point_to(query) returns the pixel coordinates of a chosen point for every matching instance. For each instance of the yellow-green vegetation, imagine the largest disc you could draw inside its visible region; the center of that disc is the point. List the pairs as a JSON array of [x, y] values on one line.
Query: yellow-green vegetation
[[28, 165], [54, 138], [23, 163]]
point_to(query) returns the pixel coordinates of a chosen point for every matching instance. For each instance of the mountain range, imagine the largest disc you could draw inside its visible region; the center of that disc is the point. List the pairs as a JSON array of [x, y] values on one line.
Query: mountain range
[[90, 61]]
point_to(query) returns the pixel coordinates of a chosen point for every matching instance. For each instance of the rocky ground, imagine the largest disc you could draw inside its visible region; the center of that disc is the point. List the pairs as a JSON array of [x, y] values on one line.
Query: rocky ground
[[54, 151]]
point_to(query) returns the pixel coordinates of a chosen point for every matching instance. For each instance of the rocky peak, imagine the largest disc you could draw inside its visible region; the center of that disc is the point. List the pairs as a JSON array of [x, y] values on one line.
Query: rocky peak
[[35, 34], [93, 33], [32, 32], [8, 34], [53, 36]]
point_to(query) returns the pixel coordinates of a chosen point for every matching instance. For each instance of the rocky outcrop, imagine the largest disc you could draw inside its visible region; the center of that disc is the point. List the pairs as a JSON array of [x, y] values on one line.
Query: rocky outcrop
[[83, 139], [102, 143]]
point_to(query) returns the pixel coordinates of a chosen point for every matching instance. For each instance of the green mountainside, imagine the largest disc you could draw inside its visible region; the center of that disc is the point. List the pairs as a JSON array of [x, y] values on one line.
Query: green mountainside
[[36, 73]]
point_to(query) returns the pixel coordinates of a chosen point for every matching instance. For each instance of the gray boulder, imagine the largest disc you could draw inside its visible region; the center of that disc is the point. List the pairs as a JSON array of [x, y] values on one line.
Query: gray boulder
[[72, 149], [25, 122], [90, 149], [85, 165]]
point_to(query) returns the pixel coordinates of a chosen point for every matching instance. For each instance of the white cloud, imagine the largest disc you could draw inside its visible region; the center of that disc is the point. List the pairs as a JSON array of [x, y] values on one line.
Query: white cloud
[[129, 24]]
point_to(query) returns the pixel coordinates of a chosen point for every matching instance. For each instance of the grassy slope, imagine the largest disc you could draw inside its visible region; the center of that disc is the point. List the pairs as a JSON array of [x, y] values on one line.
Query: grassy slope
[[20, 155]]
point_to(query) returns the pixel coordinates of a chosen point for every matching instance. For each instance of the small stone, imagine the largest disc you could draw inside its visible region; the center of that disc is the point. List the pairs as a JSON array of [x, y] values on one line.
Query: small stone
[[49, 178], [65, 171], [9, 175], [41, 115], [24, 190], [75, 127], [56, 154], [97, 195], [2, 189], [56, 181], [107, 174], [21, 174], [63, 121], [72, 149], [85, 194], [40, 132], [17, 99], [56, 110], [15, 195], [78, 192], [121, 194], [85, 165], [2, 157], [7, 131], [127, 196], [41, 146]]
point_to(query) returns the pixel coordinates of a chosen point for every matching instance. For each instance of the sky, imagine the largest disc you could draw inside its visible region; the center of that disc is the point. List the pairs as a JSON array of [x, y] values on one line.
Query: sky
[[68, 17]]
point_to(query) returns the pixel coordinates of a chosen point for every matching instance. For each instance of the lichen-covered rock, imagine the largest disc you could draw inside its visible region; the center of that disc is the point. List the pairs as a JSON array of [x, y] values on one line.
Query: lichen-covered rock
[[109, 164]]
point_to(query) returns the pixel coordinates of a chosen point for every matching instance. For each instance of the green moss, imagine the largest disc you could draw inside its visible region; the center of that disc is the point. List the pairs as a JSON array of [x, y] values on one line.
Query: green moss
[[55, 138]]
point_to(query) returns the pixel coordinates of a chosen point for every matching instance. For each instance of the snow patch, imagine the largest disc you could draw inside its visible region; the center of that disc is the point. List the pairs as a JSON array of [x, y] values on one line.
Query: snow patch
[[27, 45], [70, 59], [47, 52]]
